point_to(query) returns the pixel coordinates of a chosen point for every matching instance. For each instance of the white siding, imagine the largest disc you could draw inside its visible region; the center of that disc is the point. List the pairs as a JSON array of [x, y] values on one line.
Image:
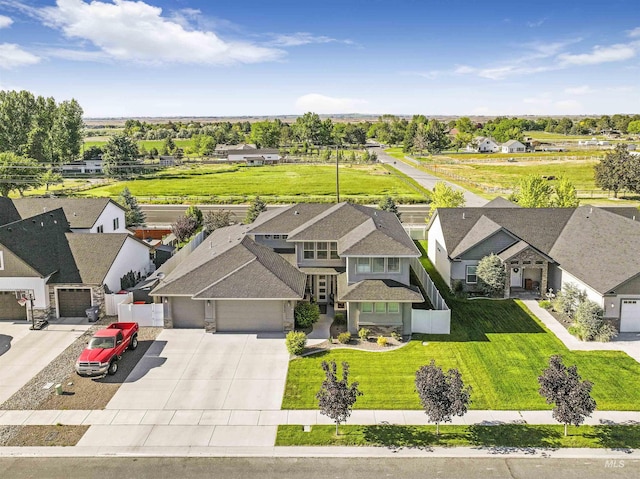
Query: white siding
[[106, 218], [592, 294], [37, 285], [436, 251], [134, 256]]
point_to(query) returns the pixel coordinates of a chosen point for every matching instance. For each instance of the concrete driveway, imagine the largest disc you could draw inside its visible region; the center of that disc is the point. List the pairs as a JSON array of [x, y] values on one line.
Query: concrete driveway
[[192, 370]]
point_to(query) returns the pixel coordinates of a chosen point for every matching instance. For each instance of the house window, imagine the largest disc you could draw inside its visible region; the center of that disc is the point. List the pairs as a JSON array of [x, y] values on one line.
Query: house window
[[363, 265], [539, 262], [267, 236], [526, 262], [1, 261], [321, 250], [116, 224], [393, 307], [285, 236], [514, 262], [100, 229], [333, 250], [276, 237], [472, 278], [366, 307], [381, 307], [308, 250], [393, 265], [378, 265]]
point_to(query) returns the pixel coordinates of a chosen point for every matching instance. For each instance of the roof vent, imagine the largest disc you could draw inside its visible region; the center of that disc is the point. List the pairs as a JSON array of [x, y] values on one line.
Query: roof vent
[[296, 212], [210, 244], [634, 217], [590, 210], [75, 214], [463, 215]]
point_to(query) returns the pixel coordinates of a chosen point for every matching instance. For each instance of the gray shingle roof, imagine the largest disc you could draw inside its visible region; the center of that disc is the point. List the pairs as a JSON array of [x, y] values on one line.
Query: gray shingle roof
[[253, 151], [483, 228], [627, 211], [93, 255], [80, 212], [8, 211], [511, 143], [377, 290], [500, 202], [286, 219]]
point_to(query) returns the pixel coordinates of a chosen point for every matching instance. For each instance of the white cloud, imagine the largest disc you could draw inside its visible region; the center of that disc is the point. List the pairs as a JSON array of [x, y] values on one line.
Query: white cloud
[[303, 38], [14, 56], [635, 33], [579, 90], [137, 31], [327, 104], [537, 23], [5, 21], [599, 54]]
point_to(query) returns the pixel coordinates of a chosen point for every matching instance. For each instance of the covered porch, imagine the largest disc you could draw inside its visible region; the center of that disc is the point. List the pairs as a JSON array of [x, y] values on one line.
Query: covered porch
[[527, 271]]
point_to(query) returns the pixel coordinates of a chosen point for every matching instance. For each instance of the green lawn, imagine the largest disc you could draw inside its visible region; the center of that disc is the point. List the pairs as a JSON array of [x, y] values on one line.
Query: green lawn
[[285, 182], [511, 435], [523, 156], [148, 144], [499, 347]]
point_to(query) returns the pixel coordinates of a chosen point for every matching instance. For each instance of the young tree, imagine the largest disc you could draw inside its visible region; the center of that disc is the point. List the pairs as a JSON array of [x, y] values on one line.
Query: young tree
[[134, 216], [119, 156], [564, 388], [444, 196], [50, 177], [168, 146], [388, 204], [533, 191], [184, 227], [336, 396], [18, 173], [568, 299], [588, 323], [566, 194], [216, 219], [491, 275], [196, 213], [256, 207], [442, 395], [618, 170]]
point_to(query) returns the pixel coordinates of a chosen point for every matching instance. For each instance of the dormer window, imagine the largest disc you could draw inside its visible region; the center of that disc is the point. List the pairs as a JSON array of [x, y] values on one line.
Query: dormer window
[[100, 229]]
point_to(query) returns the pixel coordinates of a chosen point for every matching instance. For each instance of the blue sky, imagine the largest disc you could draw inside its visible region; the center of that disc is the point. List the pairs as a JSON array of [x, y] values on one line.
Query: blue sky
[[446, 57]]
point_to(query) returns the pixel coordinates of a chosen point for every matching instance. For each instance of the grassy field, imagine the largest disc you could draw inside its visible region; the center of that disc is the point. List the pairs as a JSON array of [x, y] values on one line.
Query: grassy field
[[505, 435], [285, 182], [500, 349], [546, 155], [148, 144]]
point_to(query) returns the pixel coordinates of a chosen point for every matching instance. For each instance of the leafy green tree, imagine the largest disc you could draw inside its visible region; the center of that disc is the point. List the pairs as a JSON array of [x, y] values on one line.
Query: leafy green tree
[[618, 170], [134, 216], [336, 396], [462, 139], [67, 131], [588, 323], [308, 128], [119, 156], [256, 207], [564, 388], [168, 146], [306, 314], [388, 204], [184, 227], [91, 153], [266, 134], [437, 137], [16, 120], [18, 173], [442, 395], [465, 125], [566, 194], [568, 299], [491, 275], [196, 213], [634, 127], [40, 143], [533, 191], [216, 219], [50, 177], [444, 196]]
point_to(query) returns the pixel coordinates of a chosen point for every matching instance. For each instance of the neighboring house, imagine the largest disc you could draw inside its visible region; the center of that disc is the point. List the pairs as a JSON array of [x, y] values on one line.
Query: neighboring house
[[85, 167], [483, 144], [222, 149], [65, 272], [85, 215], [513, 146], [249, 278], [254, 157], [545, 248], [167, 160]]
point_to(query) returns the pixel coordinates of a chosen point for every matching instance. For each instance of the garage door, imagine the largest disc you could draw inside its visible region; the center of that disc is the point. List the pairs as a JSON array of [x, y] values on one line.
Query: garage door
[[9, 307], [72, 303], [249, 316], [630, 316], [187, 313]]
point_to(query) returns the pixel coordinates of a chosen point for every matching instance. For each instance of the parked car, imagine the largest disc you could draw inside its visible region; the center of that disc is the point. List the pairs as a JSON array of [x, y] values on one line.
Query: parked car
[[105, 349]]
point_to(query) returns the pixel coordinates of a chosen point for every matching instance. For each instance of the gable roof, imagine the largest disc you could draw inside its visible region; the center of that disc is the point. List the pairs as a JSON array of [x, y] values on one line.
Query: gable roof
[[229, 264], [500, 202], [483, 229], [630, 212], [93, 255], [377, 290], [286, 219], [252, 151], [80, 212], [512, 143], [8, 211]]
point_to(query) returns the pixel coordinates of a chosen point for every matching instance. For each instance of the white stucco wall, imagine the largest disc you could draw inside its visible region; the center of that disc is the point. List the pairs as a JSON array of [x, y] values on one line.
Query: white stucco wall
[[37, 285], [592, 294], [106, 218], [134, 256], [436, 251]]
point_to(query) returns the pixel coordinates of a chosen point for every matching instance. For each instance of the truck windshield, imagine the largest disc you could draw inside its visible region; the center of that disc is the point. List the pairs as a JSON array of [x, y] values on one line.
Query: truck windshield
[[102, 343]]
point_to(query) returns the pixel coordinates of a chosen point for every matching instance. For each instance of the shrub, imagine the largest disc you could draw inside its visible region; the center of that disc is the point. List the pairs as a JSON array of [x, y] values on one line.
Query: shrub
[[340, 318], [567, 300], [395, 335], [306, 314], [588, 323], [491, 275], [545, 304], [344, 338], [457, 287], [363, 333], [194, 213], [382, 341], [296, 341]]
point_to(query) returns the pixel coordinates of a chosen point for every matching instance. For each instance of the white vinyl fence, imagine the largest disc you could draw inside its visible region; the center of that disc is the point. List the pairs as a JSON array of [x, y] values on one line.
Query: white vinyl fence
[[143, 314], [111, 302], [430, 321], [416, 232]]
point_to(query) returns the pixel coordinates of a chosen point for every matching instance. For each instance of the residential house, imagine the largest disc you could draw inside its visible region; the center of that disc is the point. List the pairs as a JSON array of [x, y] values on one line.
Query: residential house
[[254, 157], [91, 166], [167, 161], [544, 249], [483, 144], [222, 149], [85, 215], [513, 146], [250, 277], [65, 272]]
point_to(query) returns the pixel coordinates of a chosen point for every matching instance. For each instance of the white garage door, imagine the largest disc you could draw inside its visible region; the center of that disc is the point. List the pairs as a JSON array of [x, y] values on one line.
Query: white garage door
[[630, 316], [249, 316], [187, 313]]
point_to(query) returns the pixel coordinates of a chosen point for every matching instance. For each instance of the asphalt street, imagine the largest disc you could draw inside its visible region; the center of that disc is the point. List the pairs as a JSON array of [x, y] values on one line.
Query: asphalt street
[[318, 468]]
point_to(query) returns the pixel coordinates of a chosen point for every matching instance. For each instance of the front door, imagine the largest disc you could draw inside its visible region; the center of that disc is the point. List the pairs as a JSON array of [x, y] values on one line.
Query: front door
[[322, 288], [516, 277]]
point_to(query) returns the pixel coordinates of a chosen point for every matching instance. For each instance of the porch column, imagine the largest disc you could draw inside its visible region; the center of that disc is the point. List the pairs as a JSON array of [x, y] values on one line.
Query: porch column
[[544, 285], [507, 281]]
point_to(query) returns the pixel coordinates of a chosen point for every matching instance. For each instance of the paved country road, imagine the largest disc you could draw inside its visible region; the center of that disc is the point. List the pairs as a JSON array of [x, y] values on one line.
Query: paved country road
[[425, 179], [318, 468]]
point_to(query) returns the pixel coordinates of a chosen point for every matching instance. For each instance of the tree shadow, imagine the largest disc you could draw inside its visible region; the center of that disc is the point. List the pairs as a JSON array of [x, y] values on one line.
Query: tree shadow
[[514, 436], [617, 436], [396, 437]]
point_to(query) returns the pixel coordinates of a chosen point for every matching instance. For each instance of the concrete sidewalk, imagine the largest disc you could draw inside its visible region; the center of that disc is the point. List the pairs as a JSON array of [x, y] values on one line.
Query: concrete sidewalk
[[631, 347], [248, 418]]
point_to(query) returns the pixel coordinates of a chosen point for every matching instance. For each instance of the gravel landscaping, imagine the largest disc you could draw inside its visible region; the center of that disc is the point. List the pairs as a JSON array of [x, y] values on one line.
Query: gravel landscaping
[[47, 436]]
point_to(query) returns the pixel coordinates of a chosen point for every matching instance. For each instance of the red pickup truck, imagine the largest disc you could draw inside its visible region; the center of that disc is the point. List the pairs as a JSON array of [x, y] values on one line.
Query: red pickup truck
[[105, 348]]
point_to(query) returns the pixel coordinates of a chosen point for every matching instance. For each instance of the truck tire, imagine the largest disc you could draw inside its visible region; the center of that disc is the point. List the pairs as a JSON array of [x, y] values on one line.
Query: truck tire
[[113, 367], [134, 342]]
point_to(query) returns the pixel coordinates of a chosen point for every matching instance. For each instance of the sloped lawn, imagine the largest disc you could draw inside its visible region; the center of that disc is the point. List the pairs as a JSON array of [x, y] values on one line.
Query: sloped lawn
[[499, 347]]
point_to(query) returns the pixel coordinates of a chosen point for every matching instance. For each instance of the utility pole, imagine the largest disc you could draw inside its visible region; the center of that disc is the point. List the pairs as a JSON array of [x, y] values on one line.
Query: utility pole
[[337, 176]]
